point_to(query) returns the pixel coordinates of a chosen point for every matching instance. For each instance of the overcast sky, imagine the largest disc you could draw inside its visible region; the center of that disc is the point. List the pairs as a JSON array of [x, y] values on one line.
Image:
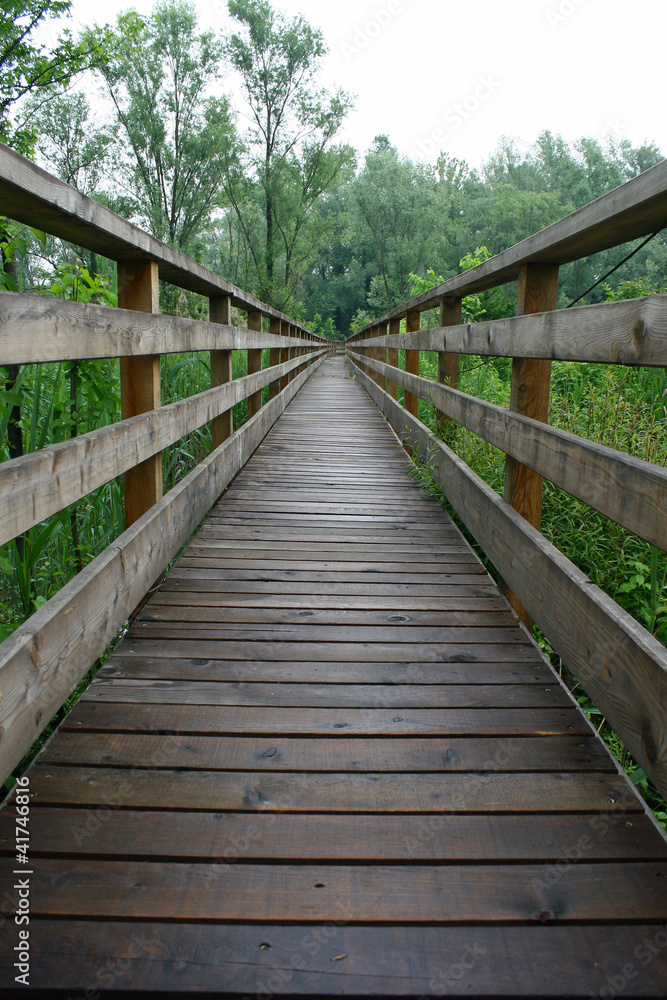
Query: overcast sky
[[435, 74]]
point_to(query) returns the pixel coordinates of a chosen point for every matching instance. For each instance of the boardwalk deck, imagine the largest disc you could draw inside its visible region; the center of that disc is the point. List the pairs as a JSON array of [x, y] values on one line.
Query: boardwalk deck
[[326, 760]]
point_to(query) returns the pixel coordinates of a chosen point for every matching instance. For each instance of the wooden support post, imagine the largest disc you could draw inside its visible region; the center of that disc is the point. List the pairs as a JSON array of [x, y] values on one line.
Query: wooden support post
[[529, 396], [220, 311], [284, 353], [392, 356], [254, 364], [274, 358], [448, 363], [138, 289], [381, 355], [410, 402]]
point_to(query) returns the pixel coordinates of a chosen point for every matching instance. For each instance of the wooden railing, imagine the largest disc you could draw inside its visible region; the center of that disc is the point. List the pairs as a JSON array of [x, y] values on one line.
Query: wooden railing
[[43, 660], [621, 666]]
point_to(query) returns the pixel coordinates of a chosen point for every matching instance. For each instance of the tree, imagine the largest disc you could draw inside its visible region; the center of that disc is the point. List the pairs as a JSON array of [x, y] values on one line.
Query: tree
[[27, 67], [175, 140], [398, 222], [292, 158], [72, 145]]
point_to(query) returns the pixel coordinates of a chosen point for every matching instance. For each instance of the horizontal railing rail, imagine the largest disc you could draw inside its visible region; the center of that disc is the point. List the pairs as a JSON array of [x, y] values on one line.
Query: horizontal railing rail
[[618, 662], [44, 659]]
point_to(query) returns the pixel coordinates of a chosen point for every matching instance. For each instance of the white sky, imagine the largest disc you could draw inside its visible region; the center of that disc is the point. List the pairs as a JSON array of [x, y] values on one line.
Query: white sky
[[446, 74]]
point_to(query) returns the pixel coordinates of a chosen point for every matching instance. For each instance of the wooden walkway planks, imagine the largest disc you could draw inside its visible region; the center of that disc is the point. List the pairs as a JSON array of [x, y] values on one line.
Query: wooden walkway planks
[[327, 761]]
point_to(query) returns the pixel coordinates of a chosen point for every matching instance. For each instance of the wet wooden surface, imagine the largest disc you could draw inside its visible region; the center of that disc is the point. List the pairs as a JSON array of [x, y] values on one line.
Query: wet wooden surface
[[326, 760]]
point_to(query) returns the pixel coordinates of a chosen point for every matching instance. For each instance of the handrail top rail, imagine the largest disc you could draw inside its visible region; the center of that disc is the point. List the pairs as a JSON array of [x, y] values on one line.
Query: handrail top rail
[[35, 197], [634, 209]]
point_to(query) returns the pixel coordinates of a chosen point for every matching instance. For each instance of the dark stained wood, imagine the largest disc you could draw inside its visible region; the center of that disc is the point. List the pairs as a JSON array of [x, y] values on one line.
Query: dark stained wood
[[204, 719], [507, 894], [412, 755], [327, 715], [335, 959], [390, 837]]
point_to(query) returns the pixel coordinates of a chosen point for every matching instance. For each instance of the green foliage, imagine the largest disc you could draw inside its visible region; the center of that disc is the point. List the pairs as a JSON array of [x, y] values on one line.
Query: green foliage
[[28, 67], [72, 145], [279, 226], [173, 140]]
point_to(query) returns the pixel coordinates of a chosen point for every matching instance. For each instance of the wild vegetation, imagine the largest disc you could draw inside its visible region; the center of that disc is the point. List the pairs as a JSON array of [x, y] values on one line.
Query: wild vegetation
[[286, 210]]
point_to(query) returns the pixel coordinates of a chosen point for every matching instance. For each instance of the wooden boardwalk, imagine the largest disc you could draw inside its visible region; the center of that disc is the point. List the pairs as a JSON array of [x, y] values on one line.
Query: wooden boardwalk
[[326, 761]]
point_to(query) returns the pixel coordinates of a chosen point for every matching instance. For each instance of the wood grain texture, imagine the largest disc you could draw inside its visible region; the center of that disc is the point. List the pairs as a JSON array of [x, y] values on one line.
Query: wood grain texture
[[44, 482], [220, 311], [621, 666], [530, 390], [339, 960], [410, 401], [632, 332], [626, 489], [327, 715], [140, 388], [448, 363], [43, 659], [254, 364], [36, 329]]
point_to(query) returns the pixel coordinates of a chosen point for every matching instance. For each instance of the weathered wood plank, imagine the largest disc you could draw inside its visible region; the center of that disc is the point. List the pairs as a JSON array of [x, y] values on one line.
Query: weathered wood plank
[[530, 391], [36, 329], [230, 837], [229, 753], [44, 482], [276, 791], [621, 666], [632, 332], [337, 959], [140, 391], [43, 659], [624, 488], [506, 894], [203, 720], [305, 695]]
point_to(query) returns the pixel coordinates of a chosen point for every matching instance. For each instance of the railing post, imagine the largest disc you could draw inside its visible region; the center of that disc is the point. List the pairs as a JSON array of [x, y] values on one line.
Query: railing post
[[254, 364], [284, 352], [220, 311], [381, 355], [412, 323], [448, 363], [392, 356], [529, 396], [274, 357], [138, 289]]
